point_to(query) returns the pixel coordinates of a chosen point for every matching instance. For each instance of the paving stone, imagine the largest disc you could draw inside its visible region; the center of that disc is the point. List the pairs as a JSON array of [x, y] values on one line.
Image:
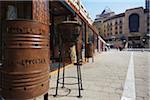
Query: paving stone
[[104, 79]]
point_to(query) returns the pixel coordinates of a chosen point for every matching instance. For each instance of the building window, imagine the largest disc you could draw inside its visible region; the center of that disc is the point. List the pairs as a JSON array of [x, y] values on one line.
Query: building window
[[120, 22], [134, 23], [148, 30], [116, 27], [19, 10], [148, 17], [116, 23], [99, 29], [116, 32], [147, 23], [107, 25], [110, 24], [11, 12], [120, 27]]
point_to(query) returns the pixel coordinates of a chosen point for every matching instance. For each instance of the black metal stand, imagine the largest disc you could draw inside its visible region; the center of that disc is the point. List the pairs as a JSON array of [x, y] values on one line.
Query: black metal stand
[[60, 59], [46, 96], [79, 77]]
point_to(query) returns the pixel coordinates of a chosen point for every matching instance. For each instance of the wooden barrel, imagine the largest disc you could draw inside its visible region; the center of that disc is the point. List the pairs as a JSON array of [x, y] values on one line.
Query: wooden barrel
[[89, 52], [69, 31], [25, 69]]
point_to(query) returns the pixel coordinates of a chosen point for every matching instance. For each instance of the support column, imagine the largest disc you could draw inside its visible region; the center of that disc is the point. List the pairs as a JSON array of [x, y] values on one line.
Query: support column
[[86, 41], [40, 11], [0, 33]]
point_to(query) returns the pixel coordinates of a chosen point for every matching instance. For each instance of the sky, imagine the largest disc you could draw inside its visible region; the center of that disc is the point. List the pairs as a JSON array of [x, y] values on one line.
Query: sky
[[95, 7]]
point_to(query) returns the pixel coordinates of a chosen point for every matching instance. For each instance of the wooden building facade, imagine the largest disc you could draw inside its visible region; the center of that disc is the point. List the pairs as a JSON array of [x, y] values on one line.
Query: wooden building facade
[[58, 11]]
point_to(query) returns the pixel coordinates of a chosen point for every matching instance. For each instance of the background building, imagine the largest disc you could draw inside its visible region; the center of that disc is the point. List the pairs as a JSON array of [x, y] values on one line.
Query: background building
[[147, 4], [130, 28]]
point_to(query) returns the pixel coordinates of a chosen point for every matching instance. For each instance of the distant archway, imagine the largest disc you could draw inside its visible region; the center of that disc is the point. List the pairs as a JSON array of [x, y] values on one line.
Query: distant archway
[[134, 23]]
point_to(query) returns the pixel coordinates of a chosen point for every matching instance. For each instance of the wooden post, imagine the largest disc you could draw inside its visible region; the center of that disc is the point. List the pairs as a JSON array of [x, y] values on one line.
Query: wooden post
[[40, 11]]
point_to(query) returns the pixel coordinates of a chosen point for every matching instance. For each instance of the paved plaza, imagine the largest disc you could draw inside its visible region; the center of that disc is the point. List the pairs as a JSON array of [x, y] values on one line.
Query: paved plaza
[[109, 78], [114, 75]]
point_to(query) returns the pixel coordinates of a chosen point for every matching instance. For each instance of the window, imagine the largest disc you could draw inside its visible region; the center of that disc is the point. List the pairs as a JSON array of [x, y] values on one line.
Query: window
[[120, 22], [107, 25], [120, 27], [134, 23], [110, 24], [116, 32], [11, 12], [99, 29], [17, 10], [148, 17], [116, 27], [116, 23]]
